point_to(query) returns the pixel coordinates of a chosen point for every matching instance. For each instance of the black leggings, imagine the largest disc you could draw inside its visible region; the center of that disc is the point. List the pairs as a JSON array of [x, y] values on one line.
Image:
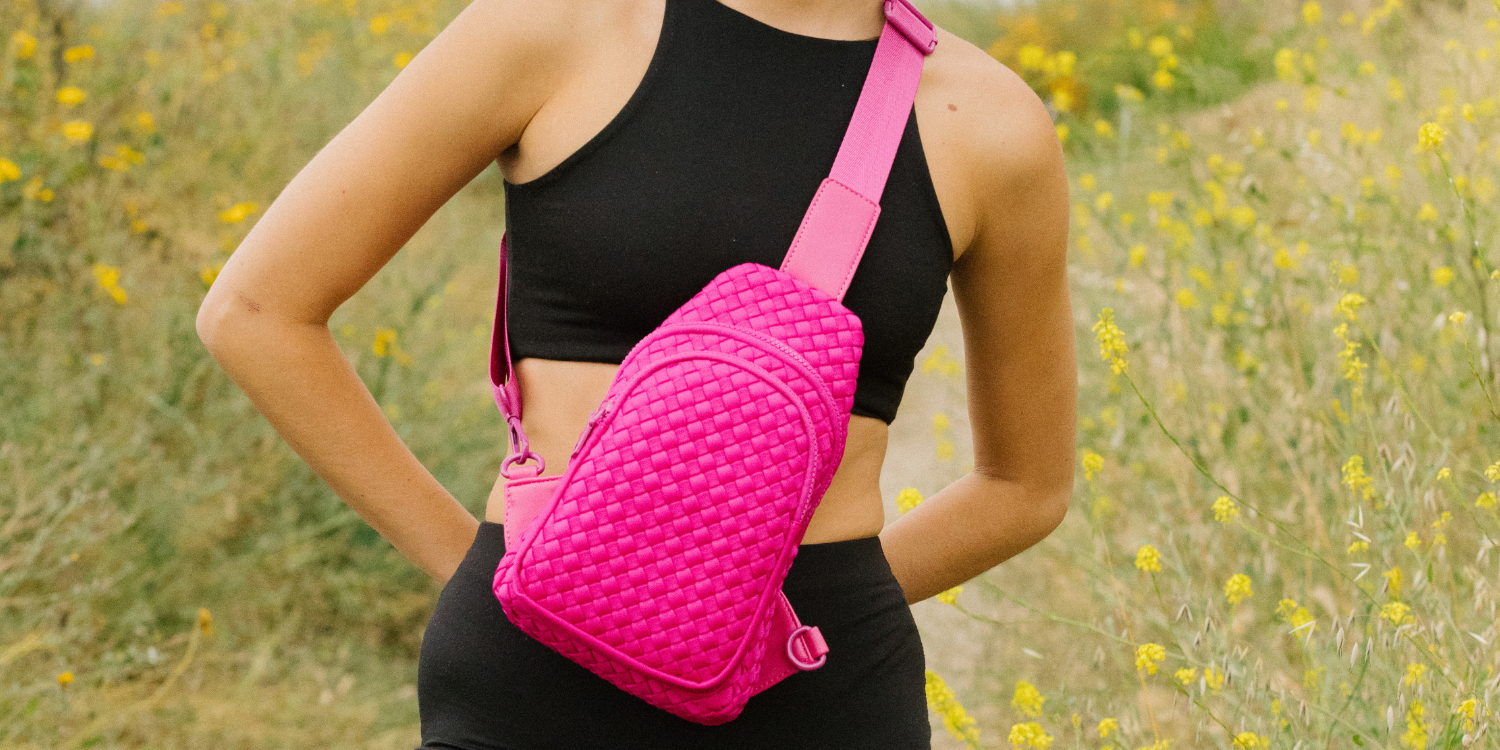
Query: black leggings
[[483, 684]]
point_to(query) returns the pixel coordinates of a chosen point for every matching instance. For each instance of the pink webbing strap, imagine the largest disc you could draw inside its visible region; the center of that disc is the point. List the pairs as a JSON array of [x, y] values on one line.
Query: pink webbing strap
[[838, 223], [503, 382]]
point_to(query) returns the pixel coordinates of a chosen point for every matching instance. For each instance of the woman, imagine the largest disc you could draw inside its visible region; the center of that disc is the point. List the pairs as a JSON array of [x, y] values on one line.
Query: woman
[[648, 145]]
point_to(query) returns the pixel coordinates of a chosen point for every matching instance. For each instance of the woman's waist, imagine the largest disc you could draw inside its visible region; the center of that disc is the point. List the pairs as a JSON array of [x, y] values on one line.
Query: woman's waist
[[843, 514]]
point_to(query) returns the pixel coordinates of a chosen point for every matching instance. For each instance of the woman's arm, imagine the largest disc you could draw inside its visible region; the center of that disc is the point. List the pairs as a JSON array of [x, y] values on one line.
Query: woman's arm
[[1011, 288], [450, 112]]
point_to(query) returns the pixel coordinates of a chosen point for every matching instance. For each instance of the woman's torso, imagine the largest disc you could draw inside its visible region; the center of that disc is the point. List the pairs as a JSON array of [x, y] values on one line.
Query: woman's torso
[[559, 395]]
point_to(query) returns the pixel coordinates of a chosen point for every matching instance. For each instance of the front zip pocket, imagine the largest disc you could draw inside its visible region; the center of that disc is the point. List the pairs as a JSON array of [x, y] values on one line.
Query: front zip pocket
[[670, 533]]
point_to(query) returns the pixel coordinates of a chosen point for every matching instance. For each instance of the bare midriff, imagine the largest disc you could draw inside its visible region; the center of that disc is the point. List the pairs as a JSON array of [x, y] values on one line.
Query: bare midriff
[[558, 398]]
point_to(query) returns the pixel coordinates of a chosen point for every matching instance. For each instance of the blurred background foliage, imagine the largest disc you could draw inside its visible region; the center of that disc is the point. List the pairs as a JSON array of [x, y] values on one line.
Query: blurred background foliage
[[172, 575]]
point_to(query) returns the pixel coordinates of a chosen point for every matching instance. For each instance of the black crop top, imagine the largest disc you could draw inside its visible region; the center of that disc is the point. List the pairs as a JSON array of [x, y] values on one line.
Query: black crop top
[[711, 163]]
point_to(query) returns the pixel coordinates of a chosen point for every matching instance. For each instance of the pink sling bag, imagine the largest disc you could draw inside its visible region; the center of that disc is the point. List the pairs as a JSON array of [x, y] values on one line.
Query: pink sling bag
[[657, 559]]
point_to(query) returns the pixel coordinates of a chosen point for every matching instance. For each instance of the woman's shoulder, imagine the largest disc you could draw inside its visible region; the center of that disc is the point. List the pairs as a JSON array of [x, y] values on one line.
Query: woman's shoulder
[[988, 137]]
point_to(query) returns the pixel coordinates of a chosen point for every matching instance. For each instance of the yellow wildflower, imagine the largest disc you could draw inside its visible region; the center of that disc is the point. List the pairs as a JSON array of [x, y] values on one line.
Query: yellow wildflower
[[1104, 201], [1147, 559], [1112, 346], [1492, 472], [1430, 137], [1148, 656], [385, 340], [1412, 540], [1427, 213], [205, 621], [1486, 500], [1394, 579], [81, 52], [1414, 674], [1442, 276], [1186, 675], [1186, 299], [1348, 305], [237, 213], [1251, 741], [941, 699], [1159, 46], [1031, 57], [1416, 727], [1088, 182], [108, 278], [25, 45], [1029, 735], [1285, 61], [1354, 476], [950, 596], [907, 499], [1107, 726], [1312, 13], [1027, 699], [1225, 509], [77, 131], [65, 678], [1104, 128], [1092, 463], [1066, 59], [1215, 680], [1466, 712], [1396, 613], [1237, 588], [71, 95], [1359, 545], [9, 170]]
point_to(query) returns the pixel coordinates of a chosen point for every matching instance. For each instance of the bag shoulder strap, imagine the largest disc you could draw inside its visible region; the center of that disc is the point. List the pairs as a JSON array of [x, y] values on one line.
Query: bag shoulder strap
[[838, 222]]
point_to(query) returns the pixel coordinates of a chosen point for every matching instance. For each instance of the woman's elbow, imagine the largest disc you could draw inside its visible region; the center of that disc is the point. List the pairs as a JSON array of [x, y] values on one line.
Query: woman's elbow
[[225, 318], [1051, 508]]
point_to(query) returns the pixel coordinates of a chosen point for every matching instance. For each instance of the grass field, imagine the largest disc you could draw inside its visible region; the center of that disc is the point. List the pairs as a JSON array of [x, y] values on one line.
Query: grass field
[[1284, 260]]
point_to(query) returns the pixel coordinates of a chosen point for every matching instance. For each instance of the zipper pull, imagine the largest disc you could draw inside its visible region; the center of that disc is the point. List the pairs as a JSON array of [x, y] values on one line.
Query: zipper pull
[[594, 419]]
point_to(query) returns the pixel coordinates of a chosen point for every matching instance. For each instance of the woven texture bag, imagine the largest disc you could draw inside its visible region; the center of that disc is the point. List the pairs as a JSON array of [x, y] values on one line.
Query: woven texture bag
[[656, 559]]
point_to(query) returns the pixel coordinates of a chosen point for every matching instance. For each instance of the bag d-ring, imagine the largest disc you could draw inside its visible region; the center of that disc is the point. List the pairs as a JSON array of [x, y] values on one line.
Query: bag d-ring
[[791, 653]]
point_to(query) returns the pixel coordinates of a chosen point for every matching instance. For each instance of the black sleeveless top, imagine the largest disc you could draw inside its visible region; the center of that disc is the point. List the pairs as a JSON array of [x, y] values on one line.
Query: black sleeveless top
[[711, 163]]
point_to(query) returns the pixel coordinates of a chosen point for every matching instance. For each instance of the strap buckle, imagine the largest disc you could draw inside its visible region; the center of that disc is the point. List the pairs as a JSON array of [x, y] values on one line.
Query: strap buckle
[[520, 450], [912, 25]]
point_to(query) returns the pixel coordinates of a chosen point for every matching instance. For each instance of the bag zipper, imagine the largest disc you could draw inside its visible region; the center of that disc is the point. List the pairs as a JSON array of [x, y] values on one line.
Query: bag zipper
[[810, 372], [594, 420]]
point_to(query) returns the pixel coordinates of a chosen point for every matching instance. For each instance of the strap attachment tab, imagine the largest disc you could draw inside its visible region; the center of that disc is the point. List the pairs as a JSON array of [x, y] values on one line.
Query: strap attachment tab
[[912, 25]]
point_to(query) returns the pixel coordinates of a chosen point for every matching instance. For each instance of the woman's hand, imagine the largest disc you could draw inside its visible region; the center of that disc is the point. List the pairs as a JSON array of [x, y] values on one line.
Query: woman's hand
[[1010, 214], [451, 111]]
